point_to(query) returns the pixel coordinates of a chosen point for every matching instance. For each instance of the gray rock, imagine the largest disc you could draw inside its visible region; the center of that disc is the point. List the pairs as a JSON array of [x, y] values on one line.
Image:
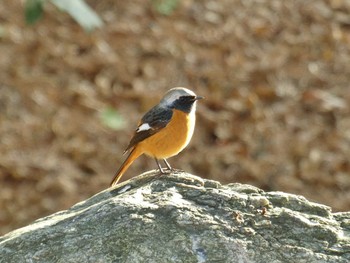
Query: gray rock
[[183, 218]]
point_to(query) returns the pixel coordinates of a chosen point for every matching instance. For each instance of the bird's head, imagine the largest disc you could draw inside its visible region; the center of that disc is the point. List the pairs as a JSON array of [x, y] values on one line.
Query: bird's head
[[181, 99]]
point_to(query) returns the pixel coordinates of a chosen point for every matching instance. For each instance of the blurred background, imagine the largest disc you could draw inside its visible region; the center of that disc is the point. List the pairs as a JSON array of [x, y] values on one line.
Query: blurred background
[[275, 74]]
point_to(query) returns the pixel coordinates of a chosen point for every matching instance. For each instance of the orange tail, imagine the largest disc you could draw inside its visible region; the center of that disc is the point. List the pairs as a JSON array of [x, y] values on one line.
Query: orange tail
[[128, 161]]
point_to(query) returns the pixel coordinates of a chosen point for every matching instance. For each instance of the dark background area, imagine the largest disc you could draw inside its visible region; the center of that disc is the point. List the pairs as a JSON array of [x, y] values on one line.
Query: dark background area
[[275, 75]]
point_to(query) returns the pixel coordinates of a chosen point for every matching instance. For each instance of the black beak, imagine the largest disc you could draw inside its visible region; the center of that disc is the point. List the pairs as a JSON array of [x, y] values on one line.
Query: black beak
[[199, 98]]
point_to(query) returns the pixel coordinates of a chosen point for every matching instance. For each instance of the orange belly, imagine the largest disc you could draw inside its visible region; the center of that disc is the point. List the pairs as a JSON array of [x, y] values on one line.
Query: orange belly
[[172, 139]]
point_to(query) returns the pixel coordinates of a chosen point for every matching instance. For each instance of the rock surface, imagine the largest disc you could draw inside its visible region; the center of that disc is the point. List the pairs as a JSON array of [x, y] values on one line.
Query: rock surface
[[183, 218]]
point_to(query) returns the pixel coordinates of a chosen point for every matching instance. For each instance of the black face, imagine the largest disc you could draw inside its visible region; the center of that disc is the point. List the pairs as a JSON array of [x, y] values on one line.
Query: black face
[[184, 103]]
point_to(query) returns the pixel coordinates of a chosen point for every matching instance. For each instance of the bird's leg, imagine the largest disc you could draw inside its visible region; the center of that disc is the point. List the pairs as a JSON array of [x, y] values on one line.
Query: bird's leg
[[167, 164], [159, 166]]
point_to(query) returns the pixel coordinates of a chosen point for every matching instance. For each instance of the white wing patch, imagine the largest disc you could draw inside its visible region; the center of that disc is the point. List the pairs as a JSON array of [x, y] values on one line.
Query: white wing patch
[[143, 127]]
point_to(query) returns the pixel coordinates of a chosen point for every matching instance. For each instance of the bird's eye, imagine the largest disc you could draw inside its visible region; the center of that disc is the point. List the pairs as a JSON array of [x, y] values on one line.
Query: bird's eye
[[186, 98]]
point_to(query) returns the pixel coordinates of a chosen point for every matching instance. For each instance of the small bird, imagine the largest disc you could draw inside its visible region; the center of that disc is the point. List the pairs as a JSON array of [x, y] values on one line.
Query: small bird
[[164, 131]]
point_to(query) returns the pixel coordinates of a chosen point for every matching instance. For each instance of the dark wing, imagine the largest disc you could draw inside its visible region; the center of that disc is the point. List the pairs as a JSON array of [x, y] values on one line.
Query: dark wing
[[157, 118]]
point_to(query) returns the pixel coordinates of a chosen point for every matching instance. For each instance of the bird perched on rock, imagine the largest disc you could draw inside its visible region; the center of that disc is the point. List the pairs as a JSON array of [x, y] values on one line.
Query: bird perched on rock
[[163, 131]]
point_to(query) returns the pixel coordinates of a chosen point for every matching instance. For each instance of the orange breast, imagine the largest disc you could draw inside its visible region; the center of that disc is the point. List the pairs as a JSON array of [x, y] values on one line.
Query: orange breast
[[172, 139]]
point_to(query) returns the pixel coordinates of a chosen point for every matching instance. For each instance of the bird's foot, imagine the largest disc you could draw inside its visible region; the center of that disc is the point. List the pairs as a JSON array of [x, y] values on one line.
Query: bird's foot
[[165, 170]]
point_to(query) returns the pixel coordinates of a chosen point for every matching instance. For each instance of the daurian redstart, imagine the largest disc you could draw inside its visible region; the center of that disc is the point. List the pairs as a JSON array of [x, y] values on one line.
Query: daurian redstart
[[163, 131]]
